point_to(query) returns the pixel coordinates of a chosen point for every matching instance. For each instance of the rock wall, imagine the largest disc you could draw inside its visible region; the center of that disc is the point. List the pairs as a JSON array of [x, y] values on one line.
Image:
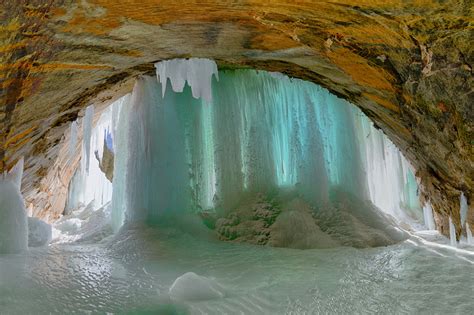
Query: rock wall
[[406, 64]]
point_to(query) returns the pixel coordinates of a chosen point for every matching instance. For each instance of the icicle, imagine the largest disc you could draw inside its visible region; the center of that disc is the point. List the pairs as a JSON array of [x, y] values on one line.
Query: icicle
[[86, 138], [73, 139], [197, 72], [463, 208], [470, 240], [428, 216], [452, 232], [90, 183], [392, 184]]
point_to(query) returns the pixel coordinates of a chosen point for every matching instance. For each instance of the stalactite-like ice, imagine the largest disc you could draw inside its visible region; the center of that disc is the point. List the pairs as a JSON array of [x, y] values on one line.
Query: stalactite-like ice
[[260, 134], [92, 187], [452, 233], [428, 217], [470, 240], [13, 218], [463, 208], [73, 139], [392, 185], [86, 138], [197, 72]]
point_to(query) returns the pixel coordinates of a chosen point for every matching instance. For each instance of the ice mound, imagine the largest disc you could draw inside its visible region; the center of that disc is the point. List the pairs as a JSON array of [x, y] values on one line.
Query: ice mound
[[13, 219], [193, 287], [358, 223], [84, 225], [298, 229], [288, 220], [40, 233]]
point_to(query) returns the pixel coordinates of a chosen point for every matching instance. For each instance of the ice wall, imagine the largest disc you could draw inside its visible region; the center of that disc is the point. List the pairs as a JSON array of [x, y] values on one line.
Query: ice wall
[[258, 133], [392, 185]]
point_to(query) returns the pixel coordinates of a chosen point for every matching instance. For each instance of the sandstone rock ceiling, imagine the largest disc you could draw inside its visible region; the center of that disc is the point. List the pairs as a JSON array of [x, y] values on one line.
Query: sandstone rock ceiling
[[406, 64]]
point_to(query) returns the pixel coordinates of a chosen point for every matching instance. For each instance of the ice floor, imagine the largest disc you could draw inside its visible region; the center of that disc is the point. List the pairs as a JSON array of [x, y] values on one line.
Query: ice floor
[[132, 273]]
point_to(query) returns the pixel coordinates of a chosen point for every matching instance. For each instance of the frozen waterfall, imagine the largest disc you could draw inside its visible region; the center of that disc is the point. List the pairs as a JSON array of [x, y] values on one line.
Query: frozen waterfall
[[256, 134]]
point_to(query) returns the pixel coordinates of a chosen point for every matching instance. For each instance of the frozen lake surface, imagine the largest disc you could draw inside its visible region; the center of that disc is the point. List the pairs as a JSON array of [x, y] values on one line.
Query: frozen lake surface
[[133, 272]]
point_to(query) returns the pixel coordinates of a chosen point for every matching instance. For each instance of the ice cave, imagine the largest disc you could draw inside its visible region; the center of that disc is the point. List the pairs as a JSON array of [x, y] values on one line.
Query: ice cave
[[231, 181]]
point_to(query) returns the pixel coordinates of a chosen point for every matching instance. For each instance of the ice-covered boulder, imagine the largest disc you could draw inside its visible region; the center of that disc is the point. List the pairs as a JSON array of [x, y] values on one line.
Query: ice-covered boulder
[[193, 287], [40, 233], [13, 219]]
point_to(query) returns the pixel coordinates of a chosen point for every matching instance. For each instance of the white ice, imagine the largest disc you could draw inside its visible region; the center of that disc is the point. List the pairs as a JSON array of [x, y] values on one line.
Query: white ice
[[193, 287], [428, 217], [73, 139], [452, 233], [86, 138], [13, 218], [40, 233], [463, 208], [197, 72]]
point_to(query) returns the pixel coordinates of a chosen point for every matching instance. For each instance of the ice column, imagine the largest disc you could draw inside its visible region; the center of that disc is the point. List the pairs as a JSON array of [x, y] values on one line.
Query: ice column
[[452, 233], [197, 72], [470, 240], [121, 127], [73, 139], [86, 138], [13, 218], [463, 208], [428, 217]]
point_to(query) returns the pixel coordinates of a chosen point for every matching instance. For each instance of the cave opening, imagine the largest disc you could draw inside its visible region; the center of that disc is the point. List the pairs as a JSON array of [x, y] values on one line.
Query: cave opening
[[221, 191]]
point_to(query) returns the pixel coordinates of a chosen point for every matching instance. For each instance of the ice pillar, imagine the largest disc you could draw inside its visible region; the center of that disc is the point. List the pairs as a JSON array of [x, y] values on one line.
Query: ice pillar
[[452, 233], [13, 218]]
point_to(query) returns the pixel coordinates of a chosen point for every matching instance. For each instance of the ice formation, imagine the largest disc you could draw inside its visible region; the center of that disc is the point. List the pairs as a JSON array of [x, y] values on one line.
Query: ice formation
[[452, 233], [86, 138], [463, 208], [84, 224], [92, 185], [260, 134], [40, 233], [470, 240], [73, 139], [13, 218], [428, 217], [193, 287], [197, 72], [391, 181]]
